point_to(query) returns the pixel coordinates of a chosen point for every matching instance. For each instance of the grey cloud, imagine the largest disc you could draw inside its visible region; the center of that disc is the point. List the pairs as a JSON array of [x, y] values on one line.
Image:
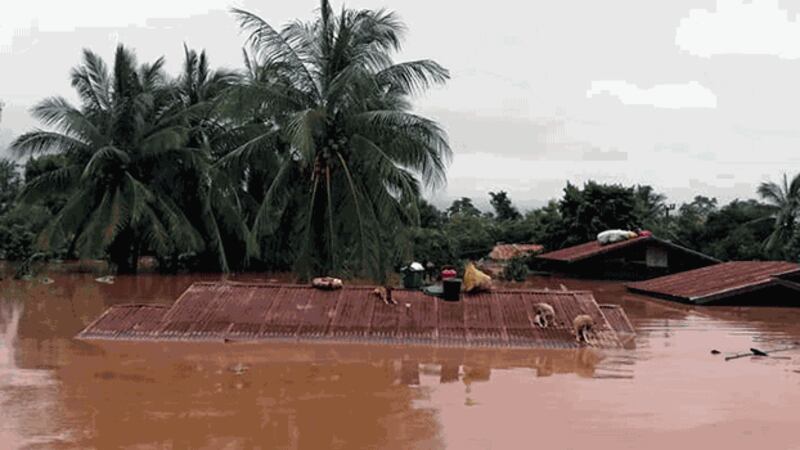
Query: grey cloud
[[520, 74]]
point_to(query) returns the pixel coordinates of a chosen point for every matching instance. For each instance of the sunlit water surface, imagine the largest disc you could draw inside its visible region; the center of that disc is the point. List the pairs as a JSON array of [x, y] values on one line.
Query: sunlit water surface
[[668, 392]]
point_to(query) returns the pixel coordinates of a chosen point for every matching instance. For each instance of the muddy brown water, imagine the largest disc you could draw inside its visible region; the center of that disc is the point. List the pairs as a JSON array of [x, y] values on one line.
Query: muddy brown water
[[668, 392]]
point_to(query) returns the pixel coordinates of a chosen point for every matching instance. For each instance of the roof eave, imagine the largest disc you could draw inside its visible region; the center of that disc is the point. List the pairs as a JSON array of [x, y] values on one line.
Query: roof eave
[[703, 300]]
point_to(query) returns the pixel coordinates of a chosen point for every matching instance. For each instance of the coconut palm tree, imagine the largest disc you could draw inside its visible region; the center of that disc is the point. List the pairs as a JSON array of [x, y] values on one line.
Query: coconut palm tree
[[127, 127], [784, 202], [349, 157], [205, 193]]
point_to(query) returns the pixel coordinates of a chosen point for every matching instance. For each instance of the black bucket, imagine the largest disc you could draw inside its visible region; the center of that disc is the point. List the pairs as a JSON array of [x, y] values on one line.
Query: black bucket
[[452, 289]]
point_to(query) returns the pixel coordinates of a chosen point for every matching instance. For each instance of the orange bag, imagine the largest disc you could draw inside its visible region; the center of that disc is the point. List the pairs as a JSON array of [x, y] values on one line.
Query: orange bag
[[475, 280]]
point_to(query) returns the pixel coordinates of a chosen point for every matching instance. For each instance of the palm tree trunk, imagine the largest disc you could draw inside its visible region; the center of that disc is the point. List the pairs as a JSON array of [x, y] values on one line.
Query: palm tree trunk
[[121, 253]]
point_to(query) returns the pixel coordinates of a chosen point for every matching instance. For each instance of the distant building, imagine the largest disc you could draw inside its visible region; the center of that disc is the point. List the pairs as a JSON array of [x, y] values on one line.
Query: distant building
[[639, 258], [501, 254], [507, 252], [739, 283]]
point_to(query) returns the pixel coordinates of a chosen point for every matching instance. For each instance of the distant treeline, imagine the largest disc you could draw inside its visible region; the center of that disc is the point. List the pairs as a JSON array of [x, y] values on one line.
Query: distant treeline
[[739, 230]]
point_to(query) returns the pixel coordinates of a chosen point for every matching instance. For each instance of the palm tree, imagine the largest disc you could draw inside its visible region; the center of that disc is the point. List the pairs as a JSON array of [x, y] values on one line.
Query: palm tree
[[784, 202], [127, 128], [207, 194], [349, 157]]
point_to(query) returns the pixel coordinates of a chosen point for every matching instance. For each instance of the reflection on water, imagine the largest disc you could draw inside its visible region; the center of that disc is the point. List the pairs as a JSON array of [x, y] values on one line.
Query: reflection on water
[[10, 313], [667, 392]]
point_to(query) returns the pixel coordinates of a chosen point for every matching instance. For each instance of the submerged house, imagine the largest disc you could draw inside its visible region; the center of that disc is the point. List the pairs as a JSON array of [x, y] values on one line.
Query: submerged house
[[507, 252], [226, 312], [502, 254], [739, 283], [639, 258]]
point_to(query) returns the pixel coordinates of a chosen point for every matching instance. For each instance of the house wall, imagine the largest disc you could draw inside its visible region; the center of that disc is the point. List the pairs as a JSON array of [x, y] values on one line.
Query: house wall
[[776, 296]]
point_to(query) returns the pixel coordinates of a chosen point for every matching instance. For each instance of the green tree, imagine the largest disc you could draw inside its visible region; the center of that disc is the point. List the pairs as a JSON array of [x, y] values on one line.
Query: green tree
[[689, 223], [503, 208], [127, 127], [349, 156], [737, 231], [651, 209], [595, 208], [206, 192], [783, 204], [463, 207], [473, 236], [429, 215], [18, 223], [10, 183]]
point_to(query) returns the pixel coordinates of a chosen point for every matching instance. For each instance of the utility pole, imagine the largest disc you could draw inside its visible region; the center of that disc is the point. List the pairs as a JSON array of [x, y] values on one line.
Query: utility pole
[[667, 209]]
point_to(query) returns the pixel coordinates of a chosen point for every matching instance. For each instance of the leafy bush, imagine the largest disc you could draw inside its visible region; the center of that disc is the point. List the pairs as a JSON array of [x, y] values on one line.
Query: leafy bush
[[516, 269]]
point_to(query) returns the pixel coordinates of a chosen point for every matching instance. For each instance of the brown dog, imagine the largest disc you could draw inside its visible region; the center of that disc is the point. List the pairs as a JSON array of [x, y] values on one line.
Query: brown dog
[[545, 315], [582, 326], [385, 294]]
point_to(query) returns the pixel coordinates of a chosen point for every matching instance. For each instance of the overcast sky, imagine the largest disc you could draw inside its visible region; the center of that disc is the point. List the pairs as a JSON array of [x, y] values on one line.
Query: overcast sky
[[692, 97]]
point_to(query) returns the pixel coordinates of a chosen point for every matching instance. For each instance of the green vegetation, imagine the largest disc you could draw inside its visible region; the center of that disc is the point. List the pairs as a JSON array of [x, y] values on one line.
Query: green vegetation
[[742, 229], [516, 269], [310, 159]]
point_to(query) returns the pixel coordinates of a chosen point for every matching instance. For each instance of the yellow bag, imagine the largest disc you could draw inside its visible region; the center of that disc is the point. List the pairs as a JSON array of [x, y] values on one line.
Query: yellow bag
[[475, 280]]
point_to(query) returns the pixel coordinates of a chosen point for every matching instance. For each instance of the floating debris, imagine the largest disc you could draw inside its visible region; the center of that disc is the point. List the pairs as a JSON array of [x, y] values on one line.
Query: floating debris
[[108, 279], [757, 352], [239, 368]]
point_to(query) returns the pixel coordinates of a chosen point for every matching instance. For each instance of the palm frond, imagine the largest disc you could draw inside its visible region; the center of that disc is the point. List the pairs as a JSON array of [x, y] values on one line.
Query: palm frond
[[413, 77]]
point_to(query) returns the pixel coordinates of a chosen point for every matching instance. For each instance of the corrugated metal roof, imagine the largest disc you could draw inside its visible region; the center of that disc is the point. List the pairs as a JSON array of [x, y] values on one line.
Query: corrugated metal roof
[[248, 311], [716, 282], [131, 319], [506, 252], [589, 249], [594, 248], [617, 318]]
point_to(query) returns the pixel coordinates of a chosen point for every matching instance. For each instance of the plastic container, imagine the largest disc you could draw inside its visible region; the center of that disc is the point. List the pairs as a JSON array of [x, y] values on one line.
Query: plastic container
[[412, 279], [451, 289]]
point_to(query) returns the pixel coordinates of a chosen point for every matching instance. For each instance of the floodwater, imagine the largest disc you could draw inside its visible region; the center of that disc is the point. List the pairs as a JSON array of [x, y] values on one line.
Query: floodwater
[[669, 392]]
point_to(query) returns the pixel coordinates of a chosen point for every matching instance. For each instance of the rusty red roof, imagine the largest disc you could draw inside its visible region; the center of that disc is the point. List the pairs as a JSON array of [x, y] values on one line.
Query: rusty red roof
[[252, 311], [594, 248], [717, 281], [617, 318], [133, 319], [506, 252]]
